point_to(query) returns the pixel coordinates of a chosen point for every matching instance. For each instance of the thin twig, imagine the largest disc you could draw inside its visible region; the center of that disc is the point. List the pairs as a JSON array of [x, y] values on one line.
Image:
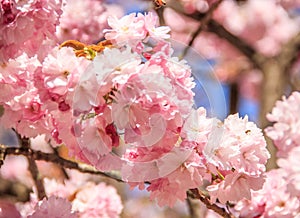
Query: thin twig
[[204, 21], [213, 26], [234, 98]]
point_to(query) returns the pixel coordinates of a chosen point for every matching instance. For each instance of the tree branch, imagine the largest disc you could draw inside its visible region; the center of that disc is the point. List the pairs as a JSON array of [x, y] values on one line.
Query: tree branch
[[194, 193], [213, 26], [84, 168], [203, 24], [32, 167], [256, 58], [38, 155]]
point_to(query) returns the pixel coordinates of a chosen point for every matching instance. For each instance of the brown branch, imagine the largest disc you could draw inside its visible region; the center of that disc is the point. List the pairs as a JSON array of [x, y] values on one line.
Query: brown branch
[[32, 167], [194, 193], [213, 26], [255, 57], [38, 155], [203, 24], [234, 98], [160, 12], [55, 151]]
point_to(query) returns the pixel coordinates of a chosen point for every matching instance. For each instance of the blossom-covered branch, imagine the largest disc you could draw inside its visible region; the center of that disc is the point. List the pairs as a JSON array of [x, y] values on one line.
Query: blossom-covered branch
[[84, 168]]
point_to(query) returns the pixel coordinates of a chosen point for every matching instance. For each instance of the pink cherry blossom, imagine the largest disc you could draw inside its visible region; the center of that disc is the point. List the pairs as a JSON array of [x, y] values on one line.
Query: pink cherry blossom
[[151, 22], [25, 22], [53, 207], [97, 201], [196, 127], [84, 21], [126, 29], [290, 173], [7, 209], [132, 29], [284, 131], [273, 200], [234, 187], [187, 176], [237, 144], [59, 75]]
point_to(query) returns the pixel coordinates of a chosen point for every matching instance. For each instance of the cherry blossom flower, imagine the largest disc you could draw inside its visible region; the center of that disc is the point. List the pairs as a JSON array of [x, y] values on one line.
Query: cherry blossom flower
[[82, 21], [27, 22], [290, 172], [76, 197], [132, 29], [53, 207], [126, 29], [284, 131], [234, 187], [97, 201], [273, 200], [237, 144], [7, 209], [59, 75], [151, 21]]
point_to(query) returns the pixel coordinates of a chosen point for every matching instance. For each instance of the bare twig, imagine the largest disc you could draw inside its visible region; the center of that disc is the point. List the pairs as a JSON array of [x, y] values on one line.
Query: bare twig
[[234, 98], [203, 24], [160, 12]]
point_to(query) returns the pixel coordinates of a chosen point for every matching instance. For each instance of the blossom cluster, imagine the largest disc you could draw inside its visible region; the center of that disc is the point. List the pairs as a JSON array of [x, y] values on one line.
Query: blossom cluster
[[85, 21], [25, 25], [285, 131], [129, 108], [77, 197], [279, 196], [136, 116]]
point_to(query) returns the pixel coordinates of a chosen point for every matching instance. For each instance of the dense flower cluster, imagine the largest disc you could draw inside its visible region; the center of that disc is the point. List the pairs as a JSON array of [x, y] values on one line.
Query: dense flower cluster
[[284, 202], [269, 203], [285, 130], [129, 107], [77, 197], [84, 21], [25, 25], [53, 207]]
